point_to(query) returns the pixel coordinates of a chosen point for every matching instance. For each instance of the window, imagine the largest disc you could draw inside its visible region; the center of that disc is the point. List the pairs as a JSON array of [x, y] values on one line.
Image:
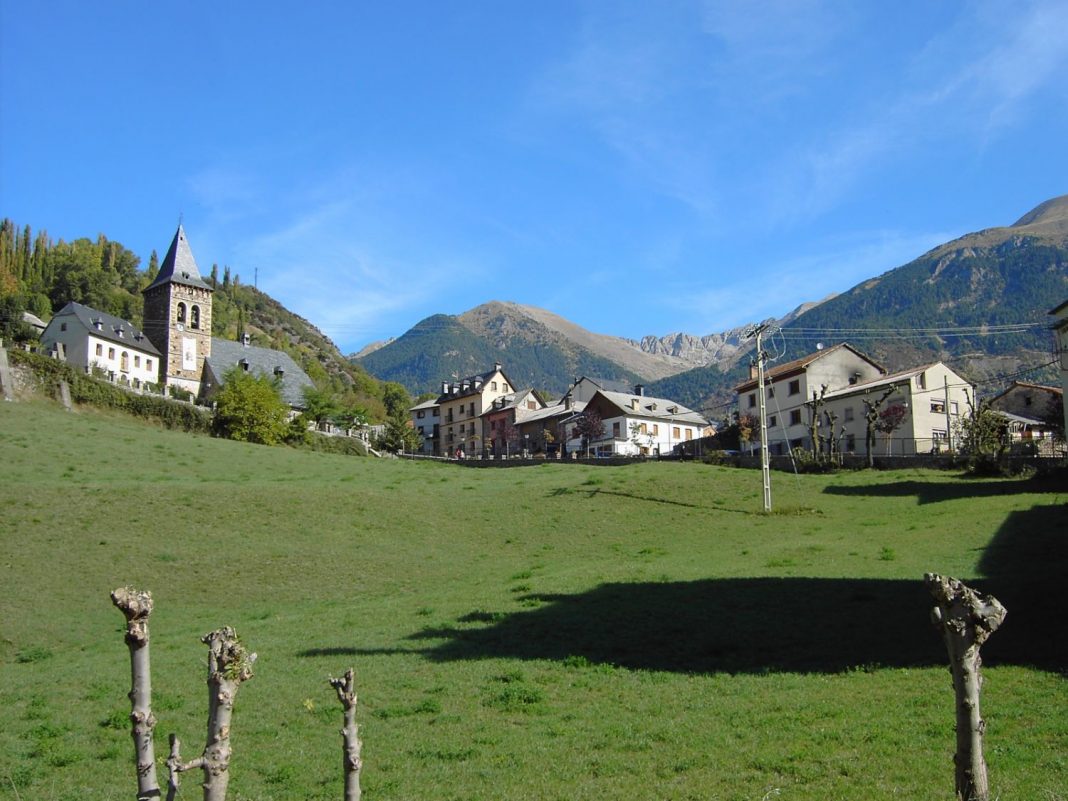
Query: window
[[436, 412], [137, 360], [504, 387], [656, 430], [180, 317], [771, 392], [194, 317], [676, 432], [851, 443], [420, 414], [471, 409], [99, 349], [421, 431], [795, 417], [62, 326], [493, 385], [148, 364], [615, 429], [937, 434], [773, 421], [938, 406], [124, 362], [111, 353], [532, 405], [954, 407], [848, 413], [752, 400], [795, 386], [643, 428], [689, 433], [921, 380]]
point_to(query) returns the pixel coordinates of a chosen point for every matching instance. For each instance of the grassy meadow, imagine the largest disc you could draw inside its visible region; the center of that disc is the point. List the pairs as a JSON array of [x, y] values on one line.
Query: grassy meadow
[[551, 632]]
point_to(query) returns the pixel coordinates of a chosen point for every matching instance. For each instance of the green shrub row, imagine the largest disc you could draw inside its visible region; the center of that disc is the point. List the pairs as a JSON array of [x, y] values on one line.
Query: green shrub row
[[90, 391]]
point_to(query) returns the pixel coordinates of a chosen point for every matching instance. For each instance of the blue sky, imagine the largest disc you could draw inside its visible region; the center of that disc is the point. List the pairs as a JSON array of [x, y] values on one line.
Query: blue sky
[[639, 168]]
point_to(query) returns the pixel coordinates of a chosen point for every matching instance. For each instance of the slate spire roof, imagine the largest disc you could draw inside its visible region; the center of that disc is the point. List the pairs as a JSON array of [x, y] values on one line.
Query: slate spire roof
[[179, 266]]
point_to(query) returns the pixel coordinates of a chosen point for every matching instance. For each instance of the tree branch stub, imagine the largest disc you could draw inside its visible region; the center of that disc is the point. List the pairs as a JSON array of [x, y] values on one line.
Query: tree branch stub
[[966, 620]]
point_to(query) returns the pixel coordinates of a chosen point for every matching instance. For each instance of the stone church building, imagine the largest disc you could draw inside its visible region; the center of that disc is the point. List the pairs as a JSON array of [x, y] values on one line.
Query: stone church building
[[177, 320]]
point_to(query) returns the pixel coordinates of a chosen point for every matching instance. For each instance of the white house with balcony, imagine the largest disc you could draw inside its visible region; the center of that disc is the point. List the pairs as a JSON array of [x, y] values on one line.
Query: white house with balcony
[[94, 340], [635, 424]]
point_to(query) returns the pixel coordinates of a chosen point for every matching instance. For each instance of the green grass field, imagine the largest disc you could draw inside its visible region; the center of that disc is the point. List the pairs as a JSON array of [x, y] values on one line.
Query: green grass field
[[552, 632]]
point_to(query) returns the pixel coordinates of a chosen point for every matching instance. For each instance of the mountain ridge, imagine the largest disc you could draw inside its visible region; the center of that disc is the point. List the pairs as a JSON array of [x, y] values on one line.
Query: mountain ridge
[[995, 276]]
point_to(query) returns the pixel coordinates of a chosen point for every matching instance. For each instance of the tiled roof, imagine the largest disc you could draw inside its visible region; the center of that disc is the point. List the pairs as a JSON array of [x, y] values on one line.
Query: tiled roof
[[179, 266], [655, 408], [798, 365], [113, 329], [226, 354]]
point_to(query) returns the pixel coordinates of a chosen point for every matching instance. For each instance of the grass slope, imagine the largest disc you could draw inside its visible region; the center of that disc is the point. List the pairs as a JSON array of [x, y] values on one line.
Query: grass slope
[[555, 632]]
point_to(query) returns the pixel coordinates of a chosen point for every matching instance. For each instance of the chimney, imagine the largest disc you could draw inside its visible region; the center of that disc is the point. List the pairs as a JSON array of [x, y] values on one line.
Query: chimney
[[244, 364], [567, 401], [444, 387], [639, 390], [497, 367], [752, 371], [245, 340]]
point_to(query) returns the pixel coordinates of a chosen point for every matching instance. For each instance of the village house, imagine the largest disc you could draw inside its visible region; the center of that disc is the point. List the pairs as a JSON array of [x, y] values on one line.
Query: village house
[[919, 411], [92, 340], [1028, 410], [831, 392], [501, 423], [634, 425], [788, 387], [425, 418], [460, 408]]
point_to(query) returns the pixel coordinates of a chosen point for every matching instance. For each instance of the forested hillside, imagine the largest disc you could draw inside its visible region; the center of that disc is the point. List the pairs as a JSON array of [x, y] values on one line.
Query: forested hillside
[[41, 276]]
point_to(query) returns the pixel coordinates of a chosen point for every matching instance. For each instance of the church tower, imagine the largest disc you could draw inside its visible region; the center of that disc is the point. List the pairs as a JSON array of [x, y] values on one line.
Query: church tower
[[177, 317]]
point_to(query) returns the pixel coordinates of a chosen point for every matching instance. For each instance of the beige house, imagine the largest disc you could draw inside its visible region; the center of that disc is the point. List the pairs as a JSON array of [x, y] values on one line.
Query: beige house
[[928, 402], [790, 386], [461, 406], [839, 386]]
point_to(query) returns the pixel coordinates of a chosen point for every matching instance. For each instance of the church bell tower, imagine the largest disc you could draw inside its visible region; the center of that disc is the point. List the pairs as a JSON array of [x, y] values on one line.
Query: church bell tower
[[177, 317]]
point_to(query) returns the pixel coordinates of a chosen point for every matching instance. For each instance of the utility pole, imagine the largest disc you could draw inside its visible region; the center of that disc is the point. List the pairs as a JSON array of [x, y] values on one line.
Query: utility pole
[[765, 468], [949, 420]]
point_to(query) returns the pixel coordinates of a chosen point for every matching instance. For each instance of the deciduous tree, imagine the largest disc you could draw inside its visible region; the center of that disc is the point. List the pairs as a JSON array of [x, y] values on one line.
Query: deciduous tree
[[249, 408]]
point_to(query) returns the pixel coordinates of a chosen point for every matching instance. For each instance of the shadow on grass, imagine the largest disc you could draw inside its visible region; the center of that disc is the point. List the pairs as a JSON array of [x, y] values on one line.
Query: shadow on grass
[[758, 625], [961, 487]]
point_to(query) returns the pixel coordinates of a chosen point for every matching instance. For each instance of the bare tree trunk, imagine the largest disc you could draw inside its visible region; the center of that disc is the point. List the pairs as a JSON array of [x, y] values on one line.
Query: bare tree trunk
[[966, 621], [136, 605], [346, 693], [229, 664]]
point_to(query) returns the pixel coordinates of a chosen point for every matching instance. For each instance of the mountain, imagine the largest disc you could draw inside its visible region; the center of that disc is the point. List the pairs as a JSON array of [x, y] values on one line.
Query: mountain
[[997, 277], [533, 353], [538, 349]]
